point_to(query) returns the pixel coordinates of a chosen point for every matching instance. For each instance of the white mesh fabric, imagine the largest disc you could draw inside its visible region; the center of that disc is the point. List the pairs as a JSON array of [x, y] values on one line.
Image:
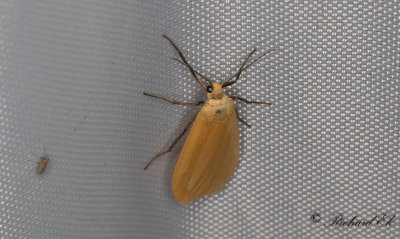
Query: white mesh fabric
[[72, 75]]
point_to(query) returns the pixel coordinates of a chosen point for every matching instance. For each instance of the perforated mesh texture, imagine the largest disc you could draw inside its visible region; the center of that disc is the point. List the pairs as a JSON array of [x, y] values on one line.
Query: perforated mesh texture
[[72, 75]]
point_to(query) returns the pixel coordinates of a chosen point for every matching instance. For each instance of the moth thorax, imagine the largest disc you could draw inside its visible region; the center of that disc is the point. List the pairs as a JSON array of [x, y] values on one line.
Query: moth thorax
[[217, 91]]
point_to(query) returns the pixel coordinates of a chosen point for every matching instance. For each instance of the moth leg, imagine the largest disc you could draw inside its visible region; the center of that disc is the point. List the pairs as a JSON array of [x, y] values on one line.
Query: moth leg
[[242, 120], [251, 102], [174, 101], [172, 144]]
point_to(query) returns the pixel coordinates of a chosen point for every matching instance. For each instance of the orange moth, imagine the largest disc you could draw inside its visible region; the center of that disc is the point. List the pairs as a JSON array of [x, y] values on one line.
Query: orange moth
[[211, 151]]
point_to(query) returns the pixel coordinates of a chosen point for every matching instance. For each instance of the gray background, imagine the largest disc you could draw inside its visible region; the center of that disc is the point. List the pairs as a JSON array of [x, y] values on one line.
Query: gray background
[[72, 75]]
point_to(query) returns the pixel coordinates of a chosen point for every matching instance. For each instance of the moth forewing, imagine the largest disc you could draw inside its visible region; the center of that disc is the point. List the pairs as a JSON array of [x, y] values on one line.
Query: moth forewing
[[210, 153]]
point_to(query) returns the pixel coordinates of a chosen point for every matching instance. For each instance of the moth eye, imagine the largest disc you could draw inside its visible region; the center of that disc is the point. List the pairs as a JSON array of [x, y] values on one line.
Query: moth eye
[[209, 89]]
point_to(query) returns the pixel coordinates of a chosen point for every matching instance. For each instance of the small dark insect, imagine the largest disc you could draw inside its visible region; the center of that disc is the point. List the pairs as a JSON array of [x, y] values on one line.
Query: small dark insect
[[42, 164]]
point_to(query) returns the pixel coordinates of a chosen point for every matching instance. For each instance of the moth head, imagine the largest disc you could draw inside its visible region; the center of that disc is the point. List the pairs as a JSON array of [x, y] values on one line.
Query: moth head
[[215, 91]]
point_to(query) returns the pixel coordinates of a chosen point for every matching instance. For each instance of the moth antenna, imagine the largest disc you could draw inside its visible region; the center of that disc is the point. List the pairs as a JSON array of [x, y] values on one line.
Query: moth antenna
[[228, 82], [186, 63], [201, 75]]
